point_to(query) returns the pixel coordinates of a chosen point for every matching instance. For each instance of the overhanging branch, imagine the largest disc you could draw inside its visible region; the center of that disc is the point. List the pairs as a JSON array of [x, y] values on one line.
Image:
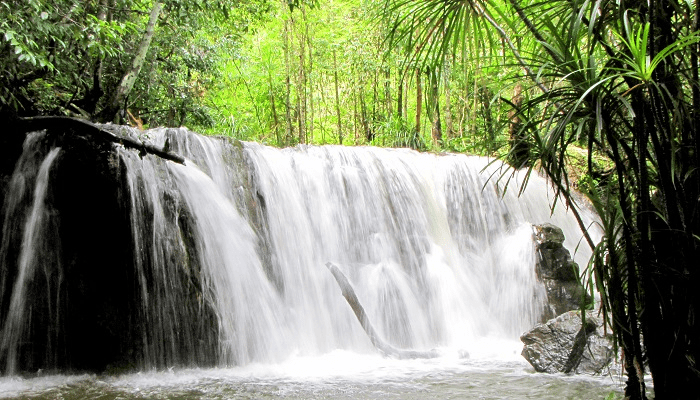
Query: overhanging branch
[[58, 122]]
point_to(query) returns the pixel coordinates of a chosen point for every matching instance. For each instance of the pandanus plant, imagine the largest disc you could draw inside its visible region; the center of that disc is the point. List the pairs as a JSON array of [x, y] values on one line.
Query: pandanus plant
[[619, 78]]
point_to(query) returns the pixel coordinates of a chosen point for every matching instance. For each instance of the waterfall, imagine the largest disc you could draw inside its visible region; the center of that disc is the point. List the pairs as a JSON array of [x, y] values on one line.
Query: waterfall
[[228, 251], [28, 220]]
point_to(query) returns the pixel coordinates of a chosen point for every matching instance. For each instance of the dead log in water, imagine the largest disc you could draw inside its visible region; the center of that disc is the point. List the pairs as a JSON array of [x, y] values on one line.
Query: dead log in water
[[385, 348]]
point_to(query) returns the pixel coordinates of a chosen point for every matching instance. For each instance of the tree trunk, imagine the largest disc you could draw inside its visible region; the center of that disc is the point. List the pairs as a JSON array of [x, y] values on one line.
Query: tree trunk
[[287, 103], [354, 303], [448, 102], [387, 91], [88, 104], [363, 110], [275, 118], [337, 99], [519, 147], [354, 113], [484, 94], [419, 101], [309, 77], [97, 132], [301, 90], [375, 100], [436, 131], [127, 82], [399, 98]]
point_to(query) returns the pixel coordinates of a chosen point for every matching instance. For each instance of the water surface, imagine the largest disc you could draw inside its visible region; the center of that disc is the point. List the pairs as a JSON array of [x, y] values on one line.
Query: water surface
[[337, 375]]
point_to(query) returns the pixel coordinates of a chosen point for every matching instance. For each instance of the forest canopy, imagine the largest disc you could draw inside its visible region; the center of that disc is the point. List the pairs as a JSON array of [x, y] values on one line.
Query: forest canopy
[[95, 58], [608, 89]]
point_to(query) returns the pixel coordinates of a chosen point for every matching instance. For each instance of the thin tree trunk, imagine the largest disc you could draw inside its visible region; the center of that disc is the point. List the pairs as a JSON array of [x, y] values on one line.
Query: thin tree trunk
[[464, 110], [437, 126], [363, 111], [300, 114], [309, 76], [337, 99], [448, 102], [419, 101], [274, 109], [354, 111], [375, 99], [519, 147], [301, 90], [399, 98], [387, 91], [436, 131], [288, 104], [127, 82]]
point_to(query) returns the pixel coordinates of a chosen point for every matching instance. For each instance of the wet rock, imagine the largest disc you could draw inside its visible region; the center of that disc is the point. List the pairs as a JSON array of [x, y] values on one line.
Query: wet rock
[[558, 272], [563, 344], [94, 306]]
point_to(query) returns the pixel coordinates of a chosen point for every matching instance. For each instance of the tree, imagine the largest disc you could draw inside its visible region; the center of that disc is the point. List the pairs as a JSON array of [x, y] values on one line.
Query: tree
[[621, 79], [93, 58], [123, 90]]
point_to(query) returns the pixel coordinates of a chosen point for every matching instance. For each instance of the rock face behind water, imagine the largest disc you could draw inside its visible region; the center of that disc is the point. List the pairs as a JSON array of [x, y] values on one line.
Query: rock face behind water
[[558, 272], [563, 345]]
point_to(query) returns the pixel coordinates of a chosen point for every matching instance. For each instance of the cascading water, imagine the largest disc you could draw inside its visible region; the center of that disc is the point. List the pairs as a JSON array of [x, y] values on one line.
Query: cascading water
[[438, 256], [33, 227], [229, 251]]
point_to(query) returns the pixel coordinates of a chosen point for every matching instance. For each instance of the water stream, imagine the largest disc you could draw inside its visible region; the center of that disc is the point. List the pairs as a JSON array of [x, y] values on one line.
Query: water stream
[[236, 301]]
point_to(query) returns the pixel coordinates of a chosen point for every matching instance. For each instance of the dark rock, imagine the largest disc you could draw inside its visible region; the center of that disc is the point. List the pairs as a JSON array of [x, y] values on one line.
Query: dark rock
[[93, 306], [564, 345], [558, 272]]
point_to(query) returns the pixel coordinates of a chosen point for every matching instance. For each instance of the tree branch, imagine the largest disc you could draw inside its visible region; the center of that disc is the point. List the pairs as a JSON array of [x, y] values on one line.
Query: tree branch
[[377, 341], [38, 123]]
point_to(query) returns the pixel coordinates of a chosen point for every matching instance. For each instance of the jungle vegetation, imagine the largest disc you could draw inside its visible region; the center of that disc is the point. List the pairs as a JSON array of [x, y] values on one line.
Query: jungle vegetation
[[531, 82]]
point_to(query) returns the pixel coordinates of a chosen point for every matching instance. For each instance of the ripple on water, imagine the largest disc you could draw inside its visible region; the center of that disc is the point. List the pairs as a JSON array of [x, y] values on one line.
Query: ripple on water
[[338, 375]]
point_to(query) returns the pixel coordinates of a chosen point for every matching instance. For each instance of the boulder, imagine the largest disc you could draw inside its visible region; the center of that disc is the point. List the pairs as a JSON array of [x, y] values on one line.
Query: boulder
[[564, 344], [558, 272]]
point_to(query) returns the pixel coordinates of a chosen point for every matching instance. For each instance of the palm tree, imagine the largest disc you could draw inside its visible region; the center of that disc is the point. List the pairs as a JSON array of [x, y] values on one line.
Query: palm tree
[[621, 79]]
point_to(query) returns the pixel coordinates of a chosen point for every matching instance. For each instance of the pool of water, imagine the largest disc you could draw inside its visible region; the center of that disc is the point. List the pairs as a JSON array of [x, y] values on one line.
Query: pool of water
[[337, 375]]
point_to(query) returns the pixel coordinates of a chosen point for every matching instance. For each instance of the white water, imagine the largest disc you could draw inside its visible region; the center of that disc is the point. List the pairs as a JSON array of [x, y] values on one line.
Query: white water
[[335, 375], [36, 248], [440, 256]]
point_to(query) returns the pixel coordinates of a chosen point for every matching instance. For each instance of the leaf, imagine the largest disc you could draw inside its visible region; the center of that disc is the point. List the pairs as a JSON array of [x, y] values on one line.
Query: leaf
[[637, 43], [44, 15], [9, 35]]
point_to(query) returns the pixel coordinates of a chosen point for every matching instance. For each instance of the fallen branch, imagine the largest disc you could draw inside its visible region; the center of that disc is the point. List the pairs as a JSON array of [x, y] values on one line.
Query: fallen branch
[[377, 341], [80, 125]]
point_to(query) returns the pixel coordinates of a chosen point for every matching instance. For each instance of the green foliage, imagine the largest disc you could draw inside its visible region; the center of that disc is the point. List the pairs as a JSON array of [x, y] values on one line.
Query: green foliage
[[221, 67], [617, 79], [312, 47], [639, 63], [613, 396], [621, 80], [395, 132], [66, 57]]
